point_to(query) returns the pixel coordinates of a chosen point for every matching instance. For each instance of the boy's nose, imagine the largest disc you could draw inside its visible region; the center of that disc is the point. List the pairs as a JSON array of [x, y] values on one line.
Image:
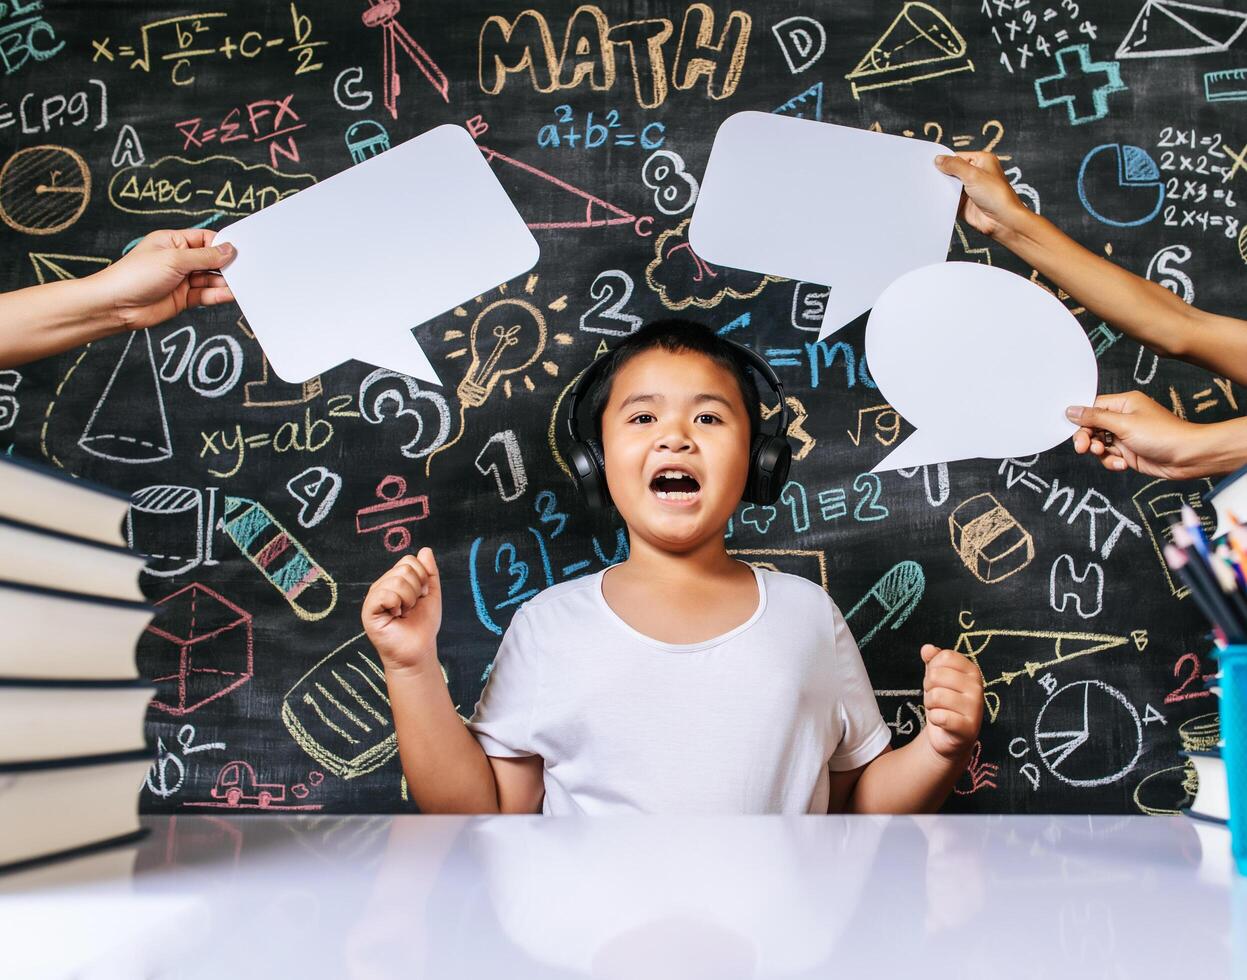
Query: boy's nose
[[675, 442]]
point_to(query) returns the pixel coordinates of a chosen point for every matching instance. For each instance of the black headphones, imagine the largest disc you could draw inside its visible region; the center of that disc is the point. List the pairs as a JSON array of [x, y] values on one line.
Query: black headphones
[[770, 455]]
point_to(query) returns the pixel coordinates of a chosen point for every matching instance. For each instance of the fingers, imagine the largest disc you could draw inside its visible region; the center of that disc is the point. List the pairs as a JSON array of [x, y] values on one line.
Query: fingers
[[209, 296], [957, 167], [191, 260], [426, 562], [398, 591], [954, 722], [1091, 418]]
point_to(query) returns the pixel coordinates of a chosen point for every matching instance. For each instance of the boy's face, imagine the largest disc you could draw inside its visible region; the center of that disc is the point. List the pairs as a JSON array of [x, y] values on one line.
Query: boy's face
[[675, 434]]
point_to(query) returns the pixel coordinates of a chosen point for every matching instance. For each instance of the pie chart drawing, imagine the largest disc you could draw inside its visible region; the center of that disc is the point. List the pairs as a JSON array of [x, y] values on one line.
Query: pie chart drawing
[[1088, 734], [1120, 185]]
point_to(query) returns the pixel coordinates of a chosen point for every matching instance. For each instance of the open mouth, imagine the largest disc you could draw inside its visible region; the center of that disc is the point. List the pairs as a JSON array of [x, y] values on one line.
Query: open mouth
[[675, 485]]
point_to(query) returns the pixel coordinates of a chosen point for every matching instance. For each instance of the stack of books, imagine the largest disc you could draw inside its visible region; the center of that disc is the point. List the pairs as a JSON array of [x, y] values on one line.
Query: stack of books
[[73, 755]]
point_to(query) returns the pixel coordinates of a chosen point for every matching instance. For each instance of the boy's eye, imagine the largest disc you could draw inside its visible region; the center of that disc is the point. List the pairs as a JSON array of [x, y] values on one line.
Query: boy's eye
[[706, 416], [643, 417]]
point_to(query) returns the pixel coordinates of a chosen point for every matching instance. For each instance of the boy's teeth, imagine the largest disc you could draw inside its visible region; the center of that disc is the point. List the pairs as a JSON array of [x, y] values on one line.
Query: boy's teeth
[[676, 494]]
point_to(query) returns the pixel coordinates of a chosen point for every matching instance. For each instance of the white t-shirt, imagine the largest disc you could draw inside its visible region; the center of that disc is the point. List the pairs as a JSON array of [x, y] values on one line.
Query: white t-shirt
[[746, 722]]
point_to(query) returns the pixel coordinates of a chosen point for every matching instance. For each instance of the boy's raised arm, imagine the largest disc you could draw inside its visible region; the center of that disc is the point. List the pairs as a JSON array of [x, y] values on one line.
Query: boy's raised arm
[[1145, 310], [446, 769], [918, 777]]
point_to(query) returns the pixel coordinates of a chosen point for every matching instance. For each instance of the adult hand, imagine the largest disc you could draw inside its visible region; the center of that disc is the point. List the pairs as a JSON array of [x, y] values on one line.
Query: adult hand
[[164, 275], [988, 202], [1143, 436]]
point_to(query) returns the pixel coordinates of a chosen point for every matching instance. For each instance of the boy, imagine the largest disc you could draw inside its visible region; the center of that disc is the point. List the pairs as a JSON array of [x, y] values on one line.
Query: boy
[[1128, 430], [680, 680]]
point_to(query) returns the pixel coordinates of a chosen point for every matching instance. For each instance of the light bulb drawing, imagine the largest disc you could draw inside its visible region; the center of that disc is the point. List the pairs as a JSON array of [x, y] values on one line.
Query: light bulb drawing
[[505, 338]]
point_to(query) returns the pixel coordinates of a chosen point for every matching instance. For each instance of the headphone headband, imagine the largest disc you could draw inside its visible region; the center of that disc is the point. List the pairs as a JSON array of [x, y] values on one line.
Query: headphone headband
[[751, 358]]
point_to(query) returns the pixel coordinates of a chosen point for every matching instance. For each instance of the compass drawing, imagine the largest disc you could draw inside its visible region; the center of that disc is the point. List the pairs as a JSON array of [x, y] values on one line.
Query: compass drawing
[[43, 189]]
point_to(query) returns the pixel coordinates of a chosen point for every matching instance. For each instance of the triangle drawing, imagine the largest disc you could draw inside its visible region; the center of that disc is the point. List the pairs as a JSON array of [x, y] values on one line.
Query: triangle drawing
[[50, 267], [582, 209], [1169, 29], [807, 105]]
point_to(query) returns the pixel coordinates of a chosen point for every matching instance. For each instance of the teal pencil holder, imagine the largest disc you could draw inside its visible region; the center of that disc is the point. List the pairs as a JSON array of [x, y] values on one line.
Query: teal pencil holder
[[1233, 660]]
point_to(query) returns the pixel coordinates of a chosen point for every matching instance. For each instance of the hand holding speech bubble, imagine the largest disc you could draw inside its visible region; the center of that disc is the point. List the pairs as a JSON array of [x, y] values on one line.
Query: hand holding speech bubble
[[346, 268], [847, 208], [983, 363]]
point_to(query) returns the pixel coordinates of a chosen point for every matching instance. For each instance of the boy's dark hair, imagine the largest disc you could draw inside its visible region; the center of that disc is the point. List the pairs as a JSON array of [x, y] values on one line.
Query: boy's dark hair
[[676, 336]]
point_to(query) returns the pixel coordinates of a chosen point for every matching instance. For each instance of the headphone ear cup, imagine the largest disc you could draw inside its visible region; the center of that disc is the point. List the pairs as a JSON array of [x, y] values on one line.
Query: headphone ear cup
[[588, 465], [770, 460]]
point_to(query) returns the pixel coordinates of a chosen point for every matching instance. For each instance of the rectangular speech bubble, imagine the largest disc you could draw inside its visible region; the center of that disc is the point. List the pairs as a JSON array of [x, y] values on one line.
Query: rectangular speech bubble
[[346, 268], [846, 208]]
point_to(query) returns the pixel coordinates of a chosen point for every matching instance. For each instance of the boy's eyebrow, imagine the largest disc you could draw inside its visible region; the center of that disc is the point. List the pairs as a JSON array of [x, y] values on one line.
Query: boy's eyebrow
[[705, 396]]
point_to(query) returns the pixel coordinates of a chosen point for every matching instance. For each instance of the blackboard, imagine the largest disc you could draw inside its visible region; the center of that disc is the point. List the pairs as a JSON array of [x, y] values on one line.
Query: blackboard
[[1114, 120]]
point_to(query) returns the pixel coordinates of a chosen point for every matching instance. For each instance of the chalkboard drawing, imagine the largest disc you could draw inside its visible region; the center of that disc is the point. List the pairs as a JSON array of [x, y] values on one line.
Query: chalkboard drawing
[[682, 279], [393, 514], [982, 774], [238, 787], [1201, 733], [988, 539], [1079, 78], [164, 514], [216, 185], [675, 189], [888, 602], [366, 139], [505, 338], [18, 34], [1088, 734], [285, 564], [802, 41], [1159, 504], [382, 14], [1226, 86], [919, 44], [128, 151], [1120, 185], [129, 424], [512, 482], [10, 407], [316, 489], [1167, 792], [807, 105], [339, 711], [1028, 653], [206, 649], [44, 189], [1168, 29], [573, 208], [807, 563], [51, 267]]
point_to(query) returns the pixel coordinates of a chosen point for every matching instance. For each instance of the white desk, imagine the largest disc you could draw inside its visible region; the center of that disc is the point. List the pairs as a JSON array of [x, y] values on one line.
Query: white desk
[[642, 897]]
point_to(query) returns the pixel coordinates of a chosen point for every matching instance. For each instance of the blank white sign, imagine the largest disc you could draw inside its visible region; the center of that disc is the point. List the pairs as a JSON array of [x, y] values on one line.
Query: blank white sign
[[346, 268], [843, 207]]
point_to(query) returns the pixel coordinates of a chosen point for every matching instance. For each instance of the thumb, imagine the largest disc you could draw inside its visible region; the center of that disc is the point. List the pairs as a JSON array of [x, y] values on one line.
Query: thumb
[[188, 260], [426, 559], [928, 651], [963, 170], [1098, 418]]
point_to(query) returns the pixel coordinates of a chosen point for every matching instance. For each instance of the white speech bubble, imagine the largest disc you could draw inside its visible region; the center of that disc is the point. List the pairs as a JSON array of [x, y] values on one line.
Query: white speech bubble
[[981, 361], [806, 200], [346, 268]]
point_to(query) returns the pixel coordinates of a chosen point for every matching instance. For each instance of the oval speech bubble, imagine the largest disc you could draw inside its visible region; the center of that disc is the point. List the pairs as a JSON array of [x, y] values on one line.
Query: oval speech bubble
[[981, 361]]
